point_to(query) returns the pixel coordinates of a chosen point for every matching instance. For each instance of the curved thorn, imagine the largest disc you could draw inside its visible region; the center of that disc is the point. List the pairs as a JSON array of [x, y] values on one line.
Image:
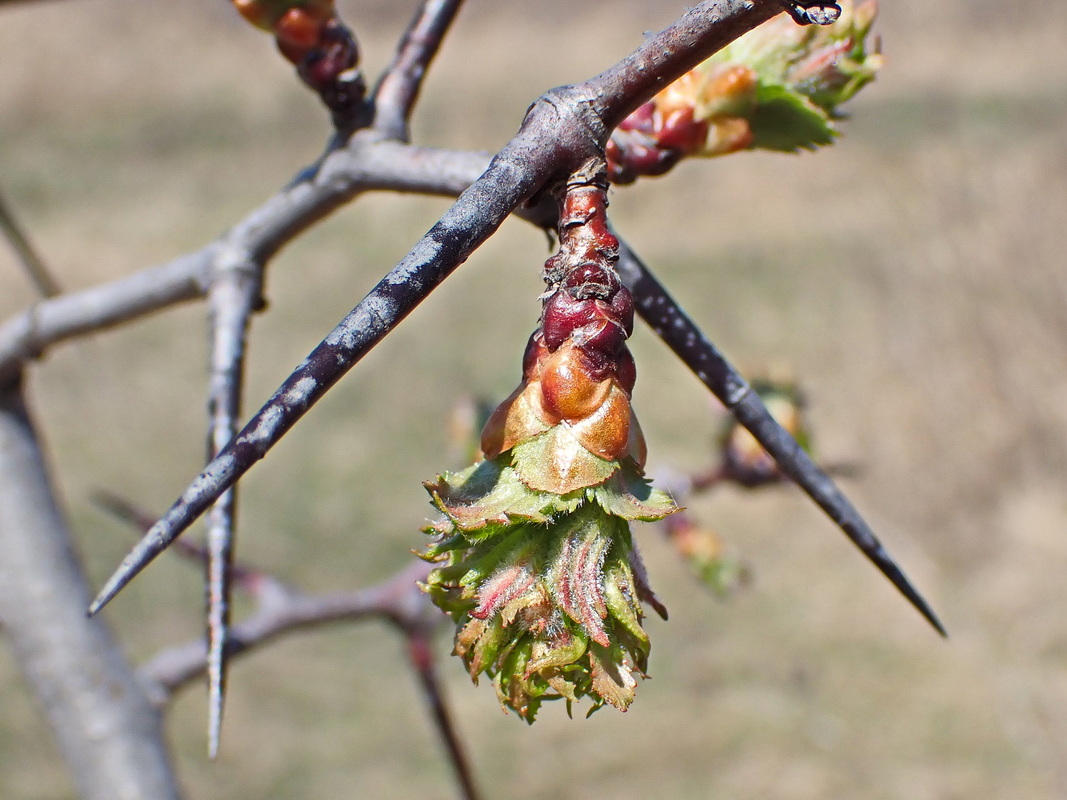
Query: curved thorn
[[682, 335]]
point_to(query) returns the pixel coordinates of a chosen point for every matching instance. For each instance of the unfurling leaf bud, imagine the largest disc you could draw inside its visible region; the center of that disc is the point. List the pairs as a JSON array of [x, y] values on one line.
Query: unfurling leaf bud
[[546, 590], [537, 566], [777, 88]]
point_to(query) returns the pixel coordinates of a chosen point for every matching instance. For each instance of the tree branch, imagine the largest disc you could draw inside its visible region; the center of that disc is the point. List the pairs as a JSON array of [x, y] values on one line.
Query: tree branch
[[562, 130], [28, 334], [282, 609], [31, 262], [366, 164], [420, 654], [399, 87], [108, 733], [662, 59], [409, 611]]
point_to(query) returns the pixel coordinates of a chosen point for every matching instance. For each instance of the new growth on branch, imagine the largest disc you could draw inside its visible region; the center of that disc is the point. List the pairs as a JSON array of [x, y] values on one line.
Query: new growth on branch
[[534, 559]]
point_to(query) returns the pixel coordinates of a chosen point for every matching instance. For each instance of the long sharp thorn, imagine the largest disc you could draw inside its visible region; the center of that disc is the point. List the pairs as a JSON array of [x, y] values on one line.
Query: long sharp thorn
[[682, 335], [221, 472], [797, 464], [232, 300], [220, 560], [447, 245]]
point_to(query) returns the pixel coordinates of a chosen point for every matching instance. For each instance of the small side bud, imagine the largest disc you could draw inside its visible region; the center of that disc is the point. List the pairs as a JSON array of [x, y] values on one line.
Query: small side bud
[[744, 461], [311, 36]]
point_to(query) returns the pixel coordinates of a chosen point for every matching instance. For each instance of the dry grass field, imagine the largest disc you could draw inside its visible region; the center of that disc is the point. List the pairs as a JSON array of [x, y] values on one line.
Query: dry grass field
[[913, 278]]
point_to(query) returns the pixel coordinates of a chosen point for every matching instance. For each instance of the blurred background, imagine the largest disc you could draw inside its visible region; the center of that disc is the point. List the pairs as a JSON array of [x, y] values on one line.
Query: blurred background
[[911, 278]]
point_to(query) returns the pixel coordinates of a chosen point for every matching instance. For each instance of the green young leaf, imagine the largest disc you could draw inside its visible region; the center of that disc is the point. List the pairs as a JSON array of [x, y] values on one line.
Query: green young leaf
[[489, 495], [787, 121], [629, 495], [555, 461]]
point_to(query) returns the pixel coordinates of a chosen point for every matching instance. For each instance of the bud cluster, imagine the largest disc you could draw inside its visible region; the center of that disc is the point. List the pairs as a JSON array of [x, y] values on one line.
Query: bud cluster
[[537, 565], [776, 88], [311, 36]]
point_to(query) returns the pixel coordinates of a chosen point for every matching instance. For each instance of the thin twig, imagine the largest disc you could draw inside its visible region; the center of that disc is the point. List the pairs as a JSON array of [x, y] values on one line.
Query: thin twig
[[28, 257], [562, 130], [420, 653], [285, 610], [366, 164], [394, 599], [399, 87], [726, 474]]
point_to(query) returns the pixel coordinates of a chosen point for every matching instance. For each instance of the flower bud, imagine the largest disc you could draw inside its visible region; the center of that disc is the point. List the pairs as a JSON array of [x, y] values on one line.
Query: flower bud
[[312, 37], [265, 14], [299, 31]]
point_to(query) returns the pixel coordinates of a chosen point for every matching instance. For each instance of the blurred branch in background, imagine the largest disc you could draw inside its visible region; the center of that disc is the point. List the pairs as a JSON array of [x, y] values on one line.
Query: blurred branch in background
[[740, 461], [364, 165], [398, 88], [31, 262], [282, 610], [108, 733]]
